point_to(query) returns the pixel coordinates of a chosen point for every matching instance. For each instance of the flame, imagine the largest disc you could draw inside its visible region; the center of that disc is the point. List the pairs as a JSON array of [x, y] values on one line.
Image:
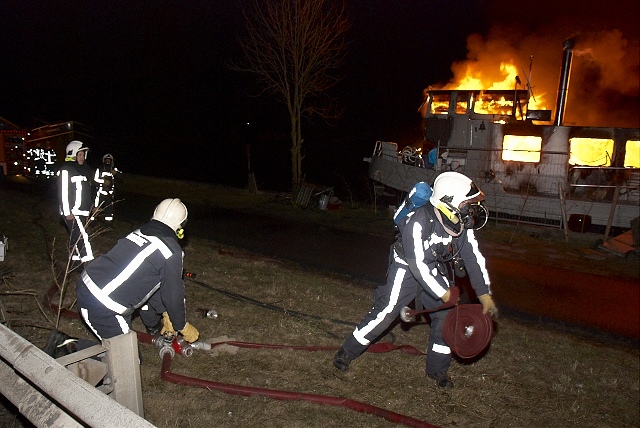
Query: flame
[[474, 78]]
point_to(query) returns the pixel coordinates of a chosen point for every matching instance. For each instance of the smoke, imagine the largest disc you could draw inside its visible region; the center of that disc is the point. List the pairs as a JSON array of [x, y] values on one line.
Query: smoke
[[604, 86]]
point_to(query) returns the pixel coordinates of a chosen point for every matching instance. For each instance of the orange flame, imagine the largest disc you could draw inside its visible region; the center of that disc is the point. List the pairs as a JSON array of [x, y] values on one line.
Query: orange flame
[[475, 79]]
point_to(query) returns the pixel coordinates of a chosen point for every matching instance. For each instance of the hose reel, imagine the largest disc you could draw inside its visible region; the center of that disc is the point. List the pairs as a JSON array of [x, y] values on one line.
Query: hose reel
[[466, 329]]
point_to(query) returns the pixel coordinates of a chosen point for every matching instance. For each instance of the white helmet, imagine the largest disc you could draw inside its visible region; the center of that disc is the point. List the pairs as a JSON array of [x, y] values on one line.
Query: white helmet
[[171, 212], [457, 197], [72, 150]]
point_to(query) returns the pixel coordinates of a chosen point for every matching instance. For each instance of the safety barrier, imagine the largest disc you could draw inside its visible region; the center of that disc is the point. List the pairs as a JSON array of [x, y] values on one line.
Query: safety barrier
[[49, 395]]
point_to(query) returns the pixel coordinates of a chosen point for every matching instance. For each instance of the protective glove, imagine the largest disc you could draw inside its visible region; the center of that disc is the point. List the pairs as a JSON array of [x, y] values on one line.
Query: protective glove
[[190, 333], [167, 327], [446, 296], [488, 307]]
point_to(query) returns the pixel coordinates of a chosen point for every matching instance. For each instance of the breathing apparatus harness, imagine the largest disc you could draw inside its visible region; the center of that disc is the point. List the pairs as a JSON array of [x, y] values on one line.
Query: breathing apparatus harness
[[448, 260], [447, 257]]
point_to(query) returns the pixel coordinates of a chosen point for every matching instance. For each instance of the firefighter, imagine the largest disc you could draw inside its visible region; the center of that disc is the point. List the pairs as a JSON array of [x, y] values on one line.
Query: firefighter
[[75, 201], [104, 178], [142, 271], [434, 240]]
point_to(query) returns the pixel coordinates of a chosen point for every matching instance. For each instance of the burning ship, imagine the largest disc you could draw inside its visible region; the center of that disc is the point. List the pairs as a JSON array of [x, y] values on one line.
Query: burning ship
[[532, 167]]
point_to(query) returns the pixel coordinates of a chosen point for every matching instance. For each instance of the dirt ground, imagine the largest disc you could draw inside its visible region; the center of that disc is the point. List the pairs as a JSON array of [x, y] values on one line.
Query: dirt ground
[[530, 376]]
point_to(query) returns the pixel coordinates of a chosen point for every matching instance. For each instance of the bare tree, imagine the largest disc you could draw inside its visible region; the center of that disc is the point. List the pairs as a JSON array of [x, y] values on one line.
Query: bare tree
[[294, 48]]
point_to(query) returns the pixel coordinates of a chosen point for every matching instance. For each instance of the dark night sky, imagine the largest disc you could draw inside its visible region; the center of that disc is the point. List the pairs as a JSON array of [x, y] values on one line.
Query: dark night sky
[[150, 78]]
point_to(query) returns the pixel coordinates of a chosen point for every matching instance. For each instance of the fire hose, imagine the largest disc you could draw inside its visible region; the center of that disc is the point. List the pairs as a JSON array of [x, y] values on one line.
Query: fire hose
[[167, 375], [465, 330]]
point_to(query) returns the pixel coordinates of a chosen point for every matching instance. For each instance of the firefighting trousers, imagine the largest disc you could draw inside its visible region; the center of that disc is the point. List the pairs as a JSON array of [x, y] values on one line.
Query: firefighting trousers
[[104, 205], [389, 299], [79, 245], [106, 323]]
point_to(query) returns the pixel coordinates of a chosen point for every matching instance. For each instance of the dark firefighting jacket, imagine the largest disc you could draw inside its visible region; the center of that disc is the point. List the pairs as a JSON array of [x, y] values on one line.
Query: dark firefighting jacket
[[74, 189], [104, 177], [146, 266], [428, 250]]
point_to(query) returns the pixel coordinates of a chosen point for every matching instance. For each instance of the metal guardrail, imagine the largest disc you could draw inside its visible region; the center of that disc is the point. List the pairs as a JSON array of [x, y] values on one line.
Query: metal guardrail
[[49, 395]]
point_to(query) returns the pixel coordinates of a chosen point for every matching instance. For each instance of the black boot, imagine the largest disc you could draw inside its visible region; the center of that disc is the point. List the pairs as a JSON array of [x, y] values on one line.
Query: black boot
[[60, 344], [442, 379], [155, 330], [342, 360]]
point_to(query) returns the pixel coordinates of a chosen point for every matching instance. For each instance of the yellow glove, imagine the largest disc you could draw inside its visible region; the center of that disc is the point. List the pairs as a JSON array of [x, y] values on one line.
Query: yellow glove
[[190, 333], [167, 327], [446, 296], [488, 307]]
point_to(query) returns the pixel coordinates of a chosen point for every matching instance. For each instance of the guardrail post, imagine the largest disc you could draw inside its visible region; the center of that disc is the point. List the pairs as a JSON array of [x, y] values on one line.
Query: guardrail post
[[124, 366]]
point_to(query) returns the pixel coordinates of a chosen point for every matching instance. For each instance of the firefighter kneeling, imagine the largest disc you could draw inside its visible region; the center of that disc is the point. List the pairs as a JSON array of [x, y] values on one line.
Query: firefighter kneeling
[[143, 271]]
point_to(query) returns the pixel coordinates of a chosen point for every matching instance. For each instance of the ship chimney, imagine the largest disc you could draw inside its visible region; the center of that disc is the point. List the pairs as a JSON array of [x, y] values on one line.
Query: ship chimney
[[565, 71]]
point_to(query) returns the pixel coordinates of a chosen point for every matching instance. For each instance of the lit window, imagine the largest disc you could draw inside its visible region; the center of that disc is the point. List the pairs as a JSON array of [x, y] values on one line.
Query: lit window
[[590, 151], [521, 148], [440, 103], [462, 101], [632, 154]]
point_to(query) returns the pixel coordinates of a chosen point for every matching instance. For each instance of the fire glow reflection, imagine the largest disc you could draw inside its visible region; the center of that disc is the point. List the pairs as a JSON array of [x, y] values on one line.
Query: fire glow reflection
[[590, 151], [521, 148], [632, 154]]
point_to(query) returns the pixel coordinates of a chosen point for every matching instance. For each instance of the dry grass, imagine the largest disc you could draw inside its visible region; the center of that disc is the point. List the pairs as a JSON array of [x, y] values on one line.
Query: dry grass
[[530, 376]]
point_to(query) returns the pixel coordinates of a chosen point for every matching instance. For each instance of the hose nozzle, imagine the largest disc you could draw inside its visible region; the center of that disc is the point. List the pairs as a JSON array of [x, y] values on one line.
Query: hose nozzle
[[407, 314]]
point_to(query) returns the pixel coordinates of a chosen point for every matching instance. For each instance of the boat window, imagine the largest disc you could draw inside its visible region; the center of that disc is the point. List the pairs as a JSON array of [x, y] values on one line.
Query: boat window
[[490, 103], [590, 151], [462, 103], [521, 148], [439, 103], [632, 154]]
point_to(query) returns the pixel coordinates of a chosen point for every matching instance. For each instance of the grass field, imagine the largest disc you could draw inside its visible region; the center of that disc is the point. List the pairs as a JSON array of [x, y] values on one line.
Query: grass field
[[530, 376]]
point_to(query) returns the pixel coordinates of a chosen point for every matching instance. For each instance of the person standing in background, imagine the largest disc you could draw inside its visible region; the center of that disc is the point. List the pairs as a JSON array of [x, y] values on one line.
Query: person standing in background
[[75, 200], [104, 178]]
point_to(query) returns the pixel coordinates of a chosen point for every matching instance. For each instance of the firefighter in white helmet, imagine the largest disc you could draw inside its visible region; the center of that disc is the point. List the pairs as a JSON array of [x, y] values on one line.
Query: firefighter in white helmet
[[142, 271], [75, 200], [436, 240], [104, 177]]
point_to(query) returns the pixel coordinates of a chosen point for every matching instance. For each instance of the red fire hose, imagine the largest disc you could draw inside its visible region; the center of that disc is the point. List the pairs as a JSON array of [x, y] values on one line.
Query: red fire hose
[[358, 406], [466, 329], [456, 330]]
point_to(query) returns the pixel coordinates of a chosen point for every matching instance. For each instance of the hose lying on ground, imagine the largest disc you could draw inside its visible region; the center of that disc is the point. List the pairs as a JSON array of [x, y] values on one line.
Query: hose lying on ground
[[457, 329]]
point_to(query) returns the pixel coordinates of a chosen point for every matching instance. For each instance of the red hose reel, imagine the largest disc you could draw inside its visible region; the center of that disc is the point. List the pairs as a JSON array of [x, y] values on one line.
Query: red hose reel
[[466, 329]]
